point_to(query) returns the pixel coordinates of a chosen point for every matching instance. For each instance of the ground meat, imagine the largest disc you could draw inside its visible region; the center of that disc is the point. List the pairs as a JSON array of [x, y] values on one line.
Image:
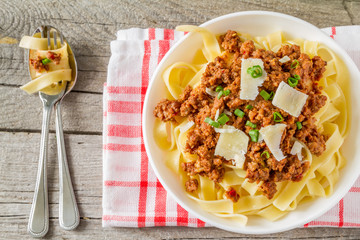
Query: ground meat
[[186, 94], [247, 48], [313, 104], [232, 195], [311, 137], [195, 101], [188, 167], [191, 185], [269, 189], [38, 64], [293, 52], [225, 71], [216, 73], [166, 110], [217, 161], [231, 41], [55, 57]]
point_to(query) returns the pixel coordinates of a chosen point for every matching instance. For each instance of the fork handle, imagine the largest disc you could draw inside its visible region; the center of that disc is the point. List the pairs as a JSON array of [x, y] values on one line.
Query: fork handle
[[39, 214], [68, 211]]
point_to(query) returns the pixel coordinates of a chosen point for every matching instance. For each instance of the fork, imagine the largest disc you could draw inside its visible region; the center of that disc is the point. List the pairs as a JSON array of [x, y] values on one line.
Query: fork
[[39, 215]]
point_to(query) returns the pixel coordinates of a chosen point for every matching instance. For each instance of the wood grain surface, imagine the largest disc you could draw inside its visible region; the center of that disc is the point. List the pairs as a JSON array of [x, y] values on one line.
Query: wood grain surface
[[90, 26]]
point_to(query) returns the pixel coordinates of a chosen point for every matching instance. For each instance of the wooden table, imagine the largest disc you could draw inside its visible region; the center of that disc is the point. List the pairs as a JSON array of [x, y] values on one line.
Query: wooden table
[[90, 26]]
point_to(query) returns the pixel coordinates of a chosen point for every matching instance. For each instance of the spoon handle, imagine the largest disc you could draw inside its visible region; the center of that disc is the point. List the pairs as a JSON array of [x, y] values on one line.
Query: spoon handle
[[68, 210], [39, 214]]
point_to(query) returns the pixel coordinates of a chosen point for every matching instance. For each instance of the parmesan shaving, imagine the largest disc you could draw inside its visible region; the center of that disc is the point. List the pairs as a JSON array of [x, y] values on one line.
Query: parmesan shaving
[[272, 136], [187, 126], [227, 112], [232, 145], [225, 130], [296, 149], [289, 99], [239, 160], [249, 86], [260, 139], [284, 59], [211, 92], [217, 115]]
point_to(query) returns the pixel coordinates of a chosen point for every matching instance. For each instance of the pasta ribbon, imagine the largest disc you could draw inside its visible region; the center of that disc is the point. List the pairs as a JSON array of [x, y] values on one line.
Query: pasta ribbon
[[51, 80], [44, 81], [211, 45]]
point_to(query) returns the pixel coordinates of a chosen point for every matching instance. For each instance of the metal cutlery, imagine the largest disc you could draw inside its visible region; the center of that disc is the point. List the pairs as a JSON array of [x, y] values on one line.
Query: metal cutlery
[[68, 210]]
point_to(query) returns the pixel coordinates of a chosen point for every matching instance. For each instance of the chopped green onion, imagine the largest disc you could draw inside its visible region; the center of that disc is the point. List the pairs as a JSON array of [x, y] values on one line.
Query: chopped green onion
[[250, 124], [254, 135], [226, 92], [45, 61], [219, 88], [265, 94], [278, 117], [249, 107], [271, 95], [208, 120], [293, 81], [255, 71], [266, 154], [299, 125], [239, 113], [215, 124], [212, 122], [223, 119], [294, 64], [220, 94], [296, 76]]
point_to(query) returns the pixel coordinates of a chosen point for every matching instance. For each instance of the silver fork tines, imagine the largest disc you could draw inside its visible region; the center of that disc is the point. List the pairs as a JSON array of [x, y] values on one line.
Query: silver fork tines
[[48, 38], [55, 41]]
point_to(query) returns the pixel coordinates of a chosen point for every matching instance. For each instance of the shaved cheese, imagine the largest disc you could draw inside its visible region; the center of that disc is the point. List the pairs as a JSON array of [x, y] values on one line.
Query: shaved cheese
[[211, 92], [187, 126], [249, 87], [289, 99], [217, 115], [227, 112], [284, 59], [272, 136], [225, 130], [296, 149], [239, 160], [260, 139], [232, 145]]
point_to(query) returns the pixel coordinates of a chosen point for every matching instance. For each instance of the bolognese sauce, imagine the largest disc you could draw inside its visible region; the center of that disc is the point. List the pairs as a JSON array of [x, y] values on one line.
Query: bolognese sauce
[[250, 115]]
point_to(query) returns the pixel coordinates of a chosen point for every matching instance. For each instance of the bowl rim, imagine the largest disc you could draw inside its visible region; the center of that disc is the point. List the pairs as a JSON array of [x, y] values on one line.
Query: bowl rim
[[244, 229]]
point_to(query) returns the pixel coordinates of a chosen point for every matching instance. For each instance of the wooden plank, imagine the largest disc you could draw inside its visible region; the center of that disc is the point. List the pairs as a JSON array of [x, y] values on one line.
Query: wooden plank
[[82, 112], [353, 10], [91, 229], [18, 168]]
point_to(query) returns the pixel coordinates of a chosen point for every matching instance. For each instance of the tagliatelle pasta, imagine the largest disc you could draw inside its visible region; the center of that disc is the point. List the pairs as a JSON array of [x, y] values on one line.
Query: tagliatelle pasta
[[332, 120], [49, 69]]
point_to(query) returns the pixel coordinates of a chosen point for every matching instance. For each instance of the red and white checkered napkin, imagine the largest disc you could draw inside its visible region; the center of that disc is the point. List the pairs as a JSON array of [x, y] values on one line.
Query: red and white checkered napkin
[[132, 195]]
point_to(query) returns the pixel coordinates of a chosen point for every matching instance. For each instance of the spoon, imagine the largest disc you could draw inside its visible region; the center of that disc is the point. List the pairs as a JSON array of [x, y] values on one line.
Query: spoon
[[69, 217], [39, 214]]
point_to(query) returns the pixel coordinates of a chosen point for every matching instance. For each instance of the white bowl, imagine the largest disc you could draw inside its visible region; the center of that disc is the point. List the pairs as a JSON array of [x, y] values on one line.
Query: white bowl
[[256, 23]]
